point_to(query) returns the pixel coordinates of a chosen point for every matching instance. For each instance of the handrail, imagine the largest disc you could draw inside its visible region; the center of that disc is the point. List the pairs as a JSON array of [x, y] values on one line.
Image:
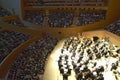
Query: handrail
[[20, 29]]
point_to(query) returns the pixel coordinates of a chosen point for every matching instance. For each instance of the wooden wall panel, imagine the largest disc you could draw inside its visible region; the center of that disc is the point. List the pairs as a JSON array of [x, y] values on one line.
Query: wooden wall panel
[[113, 13]]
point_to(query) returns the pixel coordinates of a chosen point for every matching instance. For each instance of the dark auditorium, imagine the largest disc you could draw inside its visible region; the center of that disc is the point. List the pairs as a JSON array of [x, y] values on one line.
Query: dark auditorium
[[59, 40]]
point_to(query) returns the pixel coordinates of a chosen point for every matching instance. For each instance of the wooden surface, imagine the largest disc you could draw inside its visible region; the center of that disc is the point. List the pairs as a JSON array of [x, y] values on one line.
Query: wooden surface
[[52, 70]]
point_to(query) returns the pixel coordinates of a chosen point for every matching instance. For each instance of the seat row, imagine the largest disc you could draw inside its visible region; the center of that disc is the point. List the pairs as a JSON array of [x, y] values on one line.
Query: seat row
[[114, 27], [9, 40], [67, 3], [65, 19], [31, 62]]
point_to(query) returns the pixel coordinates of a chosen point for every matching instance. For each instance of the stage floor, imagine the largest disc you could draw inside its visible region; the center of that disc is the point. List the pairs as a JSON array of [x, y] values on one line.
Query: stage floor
[[51, 69]]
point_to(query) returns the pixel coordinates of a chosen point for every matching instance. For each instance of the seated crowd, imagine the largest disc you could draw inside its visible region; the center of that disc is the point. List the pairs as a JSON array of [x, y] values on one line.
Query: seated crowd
[[16, 23], [90, 17], [9, 40], [114, 27], [90, 59], [60, 19], [66, 19], [71, 3], [4, 12], [35, 3], [95, 2], [31, 62], [35, 17]]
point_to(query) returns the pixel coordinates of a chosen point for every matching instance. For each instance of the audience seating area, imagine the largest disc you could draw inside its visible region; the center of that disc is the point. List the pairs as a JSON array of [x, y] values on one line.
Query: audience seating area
[[90, 59], [4, 12], [9, 40], [35, 17], [114, 27], [31, 62], [67, 3], [94, 2], [90, 17], [65, 19], [60, 19]]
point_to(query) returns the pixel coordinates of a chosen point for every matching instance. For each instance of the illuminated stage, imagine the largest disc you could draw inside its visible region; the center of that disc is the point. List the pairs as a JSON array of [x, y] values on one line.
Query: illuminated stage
[[52, 68]]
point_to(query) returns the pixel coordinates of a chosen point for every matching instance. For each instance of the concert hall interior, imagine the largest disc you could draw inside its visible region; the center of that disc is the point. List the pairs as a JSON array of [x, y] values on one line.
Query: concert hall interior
[[59, 40]]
